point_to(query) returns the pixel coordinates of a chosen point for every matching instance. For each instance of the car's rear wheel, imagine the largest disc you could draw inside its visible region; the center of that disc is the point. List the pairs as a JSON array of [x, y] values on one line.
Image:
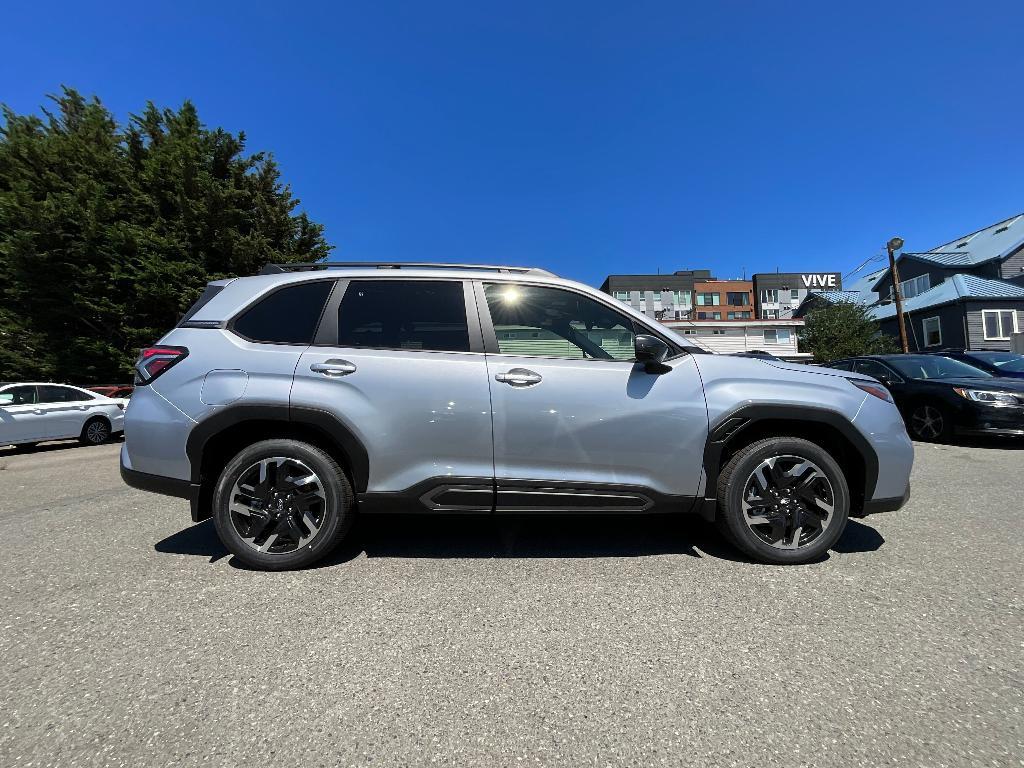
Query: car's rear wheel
[[783, 500], [96, 431], [282, 504], [928, 421]]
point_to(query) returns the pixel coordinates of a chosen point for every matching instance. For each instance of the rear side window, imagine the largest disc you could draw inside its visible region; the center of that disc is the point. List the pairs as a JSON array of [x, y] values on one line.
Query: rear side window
[[61, 395], [286, 316], [208, 293], [404, 314]]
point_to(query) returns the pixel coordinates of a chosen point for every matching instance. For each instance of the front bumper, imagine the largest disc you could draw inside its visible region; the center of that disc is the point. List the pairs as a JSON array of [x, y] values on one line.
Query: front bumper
[[978, 419]]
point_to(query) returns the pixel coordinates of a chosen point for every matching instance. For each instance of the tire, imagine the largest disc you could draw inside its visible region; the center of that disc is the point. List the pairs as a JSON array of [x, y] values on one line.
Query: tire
[[806, 510], [268, 518], [96, 431], [921, 422]]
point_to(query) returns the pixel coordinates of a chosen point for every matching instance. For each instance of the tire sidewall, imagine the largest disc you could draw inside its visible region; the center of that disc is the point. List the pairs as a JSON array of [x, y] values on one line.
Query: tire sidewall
[[943, 412], [732, 497], [84, 437], [338, 507]]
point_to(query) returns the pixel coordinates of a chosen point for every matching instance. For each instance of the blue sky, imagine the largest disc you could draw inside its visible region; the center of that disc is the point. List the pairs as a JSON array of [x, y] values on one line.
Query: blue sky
[[588, 138]]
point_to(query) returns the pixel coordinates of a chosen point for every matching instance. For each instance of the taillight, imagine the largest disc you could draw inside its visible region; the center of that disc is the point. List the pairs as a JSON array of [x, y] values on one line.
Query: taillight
[[155, 360], [873, 389]]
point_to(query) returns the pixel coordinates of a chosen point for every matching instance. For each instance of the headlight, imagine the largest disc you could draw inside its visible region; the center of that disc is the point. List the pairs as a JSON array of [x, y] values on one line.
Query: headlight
[[987, 396]]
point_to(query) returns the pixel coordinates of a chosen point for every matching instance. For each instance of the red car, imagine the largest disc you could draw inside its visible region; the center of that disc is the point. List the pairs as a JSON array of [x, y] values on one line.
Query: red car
[[124, 390]]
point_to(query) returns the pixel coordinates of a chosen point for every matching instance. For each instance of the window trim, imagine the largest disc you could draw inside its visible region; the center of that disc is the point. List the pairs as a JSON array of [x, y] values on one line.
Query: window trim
[[490, 339], [230, 324], [924, 330], [327, 332], [998, 314]]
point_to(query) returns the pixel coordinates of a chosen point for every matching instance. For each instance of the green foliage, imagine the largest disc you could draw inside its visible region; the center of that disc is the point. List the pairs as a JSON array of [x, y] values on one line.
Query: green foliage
[[109, 233], [836, 331]]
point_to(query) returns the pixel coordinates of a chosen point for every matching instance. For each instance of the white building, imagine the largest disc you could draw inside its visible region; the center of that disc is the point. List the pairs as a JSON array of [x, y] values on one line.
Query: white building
[[778, 337]]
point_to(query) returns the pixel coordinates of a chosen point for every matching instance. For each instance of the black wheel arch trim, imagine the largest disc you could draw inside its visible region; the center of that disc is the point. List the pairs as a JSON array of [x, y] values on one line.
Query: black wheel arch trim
[[322, 421], [737, 421]]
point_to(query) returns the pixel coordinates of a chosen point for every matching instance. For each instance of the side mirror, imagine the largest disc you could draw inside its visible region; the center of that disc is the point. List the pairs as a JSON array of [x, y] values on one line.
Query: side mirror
[[651, 351]]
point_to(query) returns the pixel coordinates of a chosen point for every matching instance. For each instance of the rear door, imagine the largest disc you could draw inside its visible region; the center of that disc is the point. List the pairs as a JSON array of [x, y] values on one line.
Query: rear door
[[578, 424], [399, 361]]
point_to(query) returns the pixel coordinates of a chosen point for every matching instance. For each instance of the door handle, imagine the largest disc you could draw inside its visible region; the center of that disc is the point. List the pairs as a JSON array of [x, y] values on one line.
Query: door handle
[[38, 411], [334, 368], [519, 377]]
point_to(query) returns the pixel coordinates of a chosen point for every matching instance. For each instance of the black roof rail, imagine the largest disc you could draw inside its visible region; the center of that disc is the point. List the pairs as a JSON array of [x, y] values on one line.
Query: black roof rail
[[273, 269]]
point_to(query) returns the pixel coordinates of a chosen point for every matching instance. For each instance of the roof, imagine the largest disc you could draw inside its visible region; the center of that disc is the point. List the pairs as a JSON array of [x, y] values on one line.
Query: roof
[[957, 287], [993, 242]]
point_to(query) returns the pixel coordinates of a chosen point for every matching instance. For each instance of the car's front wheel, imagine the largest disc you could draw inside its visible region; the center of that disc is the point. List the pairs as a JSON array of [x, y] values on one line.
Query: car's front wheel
[[282, 504], [783, 500]]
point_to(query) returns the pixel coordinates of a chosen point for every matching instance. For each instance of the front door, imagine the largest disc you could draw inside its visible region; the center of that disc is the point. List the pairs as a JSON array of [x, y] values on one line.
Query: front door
[[400, 363], [578, 425], [21, 416]]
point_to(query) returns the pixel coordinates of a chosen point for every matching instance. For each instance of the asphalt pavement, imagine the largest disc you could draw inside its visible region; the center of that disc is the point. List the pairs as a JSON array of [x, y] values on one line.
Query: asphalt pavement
[[129, 637]]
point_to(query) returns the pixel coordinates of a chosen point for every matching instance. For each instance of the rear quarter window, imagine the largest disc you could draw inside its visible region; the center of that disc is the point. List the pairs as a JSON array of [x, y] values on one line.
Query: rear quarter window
[[289, 315]]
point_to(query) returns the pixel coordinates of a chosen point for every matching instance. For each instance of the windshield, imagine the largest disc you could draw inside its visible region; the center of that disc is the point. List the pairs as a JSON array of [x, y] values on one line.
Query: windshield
[[935, 367], [1004, 361]]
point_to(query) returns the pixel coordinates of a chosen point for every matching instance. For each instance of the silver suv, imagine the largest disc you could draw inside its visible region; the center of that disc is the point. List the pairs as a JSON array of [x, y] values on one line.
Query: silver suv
[[284, 404]]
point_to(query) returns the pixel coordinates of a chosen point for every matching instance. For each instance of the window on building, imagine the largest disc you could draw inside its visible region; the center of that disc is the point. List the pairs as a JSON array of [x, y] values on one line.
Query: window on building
[[718, 332], [404, 314], [777, 336], [915, 286], [738, 299], [709, 315], [689, 331], [769, 314], [932, 332], [998, 324], [286, 316], [621, 295], [739, 315], [681, 298], [794, 294], [551, 322], [708, 299], [769, 296]]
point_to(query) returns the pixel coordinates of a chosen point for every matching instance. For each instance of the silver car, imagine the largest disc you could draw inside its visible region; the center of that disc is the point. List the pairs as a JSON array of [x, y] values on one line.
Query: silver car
[[285, 403], [34, 412]]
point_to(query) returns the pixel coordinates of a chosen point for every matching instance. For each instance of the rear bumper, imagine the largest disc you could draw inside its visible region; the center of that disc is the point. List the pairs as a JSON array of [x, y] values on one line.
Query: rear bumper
[[165, 486], [875, 506]]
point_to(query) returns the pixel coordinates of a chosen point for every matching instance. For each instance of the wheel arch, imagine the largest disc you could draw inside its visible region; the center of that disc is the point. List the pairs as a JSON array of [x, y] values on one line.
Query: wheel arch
[[215, 440], [827, 429]]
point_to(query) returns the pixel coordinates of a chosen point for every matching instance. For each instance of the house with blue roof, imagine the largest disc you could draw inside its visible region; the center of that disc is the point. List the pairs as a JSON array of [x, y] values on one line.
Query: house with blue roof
[[968, 293]]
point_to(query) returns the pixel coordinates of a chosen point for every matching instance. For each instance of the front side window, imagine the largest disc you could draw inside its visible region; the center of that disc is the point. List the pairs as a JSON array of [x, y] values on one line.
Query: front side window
[[550, 322], [286, 316], [23, 395], [999, 323], [875, 369], [422, 315]]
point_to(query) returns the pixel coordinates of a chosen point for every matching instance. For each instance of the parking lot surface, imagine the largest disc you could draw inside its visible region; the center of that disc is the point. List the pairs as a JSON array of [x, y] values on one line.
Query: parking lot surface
[[129, 637]]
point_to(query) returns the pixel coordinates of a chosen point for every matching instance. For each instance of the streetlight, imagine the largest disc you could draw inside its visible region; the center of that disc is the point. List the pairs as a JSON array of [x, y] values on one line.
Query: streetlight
[[892, 246]]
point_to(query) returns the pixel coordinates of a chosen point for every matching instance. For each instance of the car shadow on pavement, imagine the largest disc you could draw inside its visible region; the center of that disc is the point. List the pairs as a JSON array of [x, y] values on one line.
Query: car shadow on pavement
[[577, 536], [54, 445]]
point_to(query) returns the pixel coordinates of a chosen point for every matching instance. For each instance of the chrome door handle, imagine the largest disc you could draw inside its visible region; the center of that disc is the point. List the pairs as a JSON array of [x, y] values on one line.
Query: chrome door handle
[[334, 368], [38, 411], [519, 377]]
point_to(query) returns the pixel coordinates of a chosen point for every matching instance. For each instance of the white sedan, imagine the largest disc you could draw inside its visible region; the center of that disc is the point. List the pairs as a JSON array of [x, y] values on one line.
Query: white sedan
[[31, 413]]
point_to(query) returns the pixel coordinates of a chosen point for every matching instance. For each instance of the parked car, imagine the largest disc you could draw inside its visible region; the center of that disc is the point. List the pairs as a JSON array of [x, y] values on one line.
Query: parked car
[[758, 353], [285, 403], [940, 396], [117, 391], [1006, 364], [34, 412]]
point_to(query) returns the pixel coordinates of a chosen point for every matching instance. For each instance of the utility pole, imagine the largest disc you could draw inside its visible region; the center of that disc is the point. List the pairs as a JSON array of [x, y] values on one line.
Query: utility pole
[[892, 246]]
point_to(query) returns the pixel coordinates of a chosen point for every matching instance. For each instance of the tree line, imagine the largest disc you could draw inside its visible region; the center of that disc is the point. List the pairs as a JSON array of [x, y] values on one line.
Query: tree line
[[109, 232]]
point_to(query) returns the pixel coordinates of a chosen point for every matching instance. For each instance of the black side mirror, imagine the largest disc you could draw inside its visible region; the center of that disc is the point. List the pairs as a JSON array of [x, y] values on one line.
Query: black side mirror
[[651, 351]]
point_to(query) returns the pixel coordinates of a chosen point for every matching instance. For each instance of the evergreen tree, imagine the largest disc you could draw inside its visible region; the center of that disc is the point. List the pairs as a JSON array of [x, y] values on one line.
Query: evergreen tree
[[108, 234], [843, 330]]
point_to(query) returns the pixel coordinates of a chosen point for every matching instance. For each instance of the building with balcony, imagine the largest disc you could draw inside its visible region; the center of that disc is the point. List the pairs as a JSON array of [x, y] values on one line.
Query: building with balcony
[[658, 296], [779, 294], [722, 300]]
